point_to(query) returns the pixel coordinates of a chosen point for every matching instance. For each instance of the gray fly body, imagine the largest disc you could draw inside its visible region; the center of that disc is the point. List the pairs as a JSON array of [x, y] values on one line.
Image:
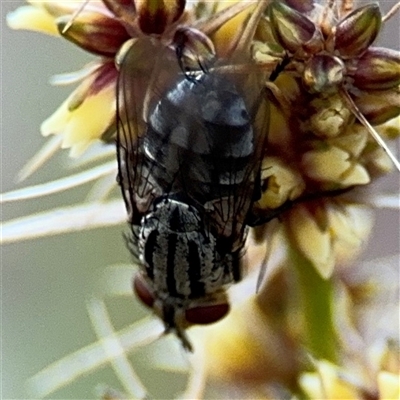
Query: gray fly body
[[189, 173]]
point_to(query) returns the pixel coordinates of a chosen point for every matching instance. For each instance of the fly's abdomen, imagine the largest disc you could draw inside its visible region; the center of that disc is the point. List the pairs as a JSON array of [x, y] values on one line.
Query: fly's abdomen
[[178, 255]]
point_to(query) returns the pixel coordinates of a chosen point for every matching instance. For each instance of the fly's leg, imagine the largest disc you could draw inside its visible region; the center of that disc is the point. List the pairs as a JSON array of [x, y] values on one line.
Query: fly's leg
[[260, 217]]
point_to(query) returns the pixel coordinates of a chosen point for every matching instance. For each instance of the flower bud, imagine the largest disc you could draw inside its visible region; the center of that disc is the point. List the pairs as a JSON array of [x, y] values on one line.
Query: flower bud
[[377, 69], [390, 129], [308, 230], [379, 107], [93, 32], [349, 224], [282, 183], [355, 33], [121, 8], [329, 118], [378, 161], [334, 165], [353, 142], [323, 73], [154, 16], [293, 31]]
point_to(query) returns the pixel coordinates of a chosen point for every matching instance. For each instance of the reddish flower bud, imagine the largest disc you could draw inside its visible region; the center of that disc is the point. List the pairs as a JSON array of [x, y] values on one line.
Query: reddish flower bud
[[154, 16], [379, 107], [355, 33], [323, 73], [377, 69], [94, 32], [293, 31], [301, 5], [120, 8]]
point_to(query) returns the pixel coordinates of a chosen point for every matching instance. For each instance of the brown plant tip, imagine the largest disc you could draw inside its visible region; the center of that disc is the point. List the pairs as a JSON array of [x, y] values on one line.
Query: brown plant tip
[[120, 7], [154, 16], [93, 32], [293, 31], [379, 106], [377, 69], [355, 33], [323, 73]]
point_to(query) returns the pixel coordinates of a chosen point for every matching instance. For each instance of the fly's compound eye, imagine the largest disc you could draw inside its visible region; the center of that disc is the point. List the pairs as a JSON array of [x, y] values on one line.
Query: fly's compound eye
[[199, 315], [206, 314], [142, 291]]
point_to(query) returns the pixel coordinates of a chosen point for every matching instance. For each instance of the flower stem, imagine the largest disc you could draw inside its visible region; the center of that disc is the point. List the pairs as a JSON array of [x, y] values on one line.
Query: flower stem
[[316, 296]]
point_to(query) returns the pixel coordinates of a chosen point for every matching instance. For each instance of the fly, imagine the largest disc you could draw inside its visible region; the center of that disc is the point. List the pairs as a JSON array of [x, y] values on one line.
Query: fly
[[189, 170]]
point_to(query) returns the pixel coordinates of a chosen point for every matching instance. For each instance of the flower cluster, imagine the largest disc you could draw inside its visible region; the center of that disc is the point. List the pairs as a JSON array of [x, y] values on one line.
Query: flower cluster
[[320, 140], [332, 96]]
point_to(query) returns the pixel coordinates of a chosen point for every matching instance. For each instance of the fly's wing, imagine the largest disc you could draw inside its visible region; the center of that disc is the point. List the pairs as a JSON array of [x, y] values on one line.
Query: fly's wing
[[209, 137], [142, 66], [241, 181]]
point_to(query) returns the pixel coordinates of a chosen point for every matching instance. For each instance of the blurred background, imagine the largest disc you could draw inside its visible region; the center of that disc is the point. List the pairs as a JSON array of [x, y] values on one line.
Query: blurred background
[[45, 282]]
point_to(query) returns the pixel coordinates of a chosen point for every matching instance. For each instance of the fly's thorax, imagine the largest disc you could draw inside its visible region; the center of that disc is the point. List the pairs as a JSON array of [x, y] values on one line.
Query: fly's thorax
[[200, 139], [213, 98], [179, 256], [209, 116]]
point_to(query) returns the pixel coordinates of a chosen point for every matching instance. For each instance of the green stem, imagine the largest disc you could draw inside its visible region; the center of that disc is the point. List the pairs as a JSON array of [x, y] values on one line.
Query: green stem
[[316, 296]]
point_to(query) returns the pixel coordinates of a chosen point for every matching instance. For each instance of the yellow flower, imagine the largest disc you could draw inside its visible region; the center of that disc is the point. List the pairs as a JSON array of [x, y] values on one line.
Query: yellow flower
[[75, 120], [89, 114], [327, 383], [389, 385]]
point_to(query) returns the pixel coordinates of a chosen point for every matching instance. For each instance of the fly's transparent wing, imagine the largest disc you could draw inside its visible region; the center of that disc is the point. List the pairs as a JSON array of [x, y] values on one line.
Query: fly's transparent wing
[[144, 67], [241, 133]]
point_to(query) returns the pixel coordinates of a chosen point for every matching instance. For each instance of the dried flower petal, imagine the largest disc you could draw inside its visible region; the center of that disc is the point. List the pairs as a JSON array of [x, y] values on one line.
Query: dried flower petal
[[121, 8], [350, 226], [194, 46]]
